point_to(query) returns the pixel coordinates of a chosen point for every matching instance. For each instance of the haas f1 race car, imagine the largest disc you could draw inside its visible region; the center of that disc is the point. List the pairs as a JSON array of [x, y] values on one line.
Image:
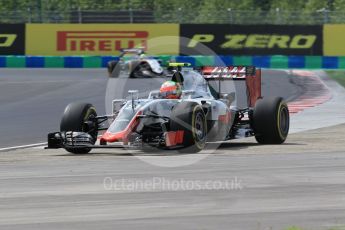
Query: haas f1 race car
[[187, 121]]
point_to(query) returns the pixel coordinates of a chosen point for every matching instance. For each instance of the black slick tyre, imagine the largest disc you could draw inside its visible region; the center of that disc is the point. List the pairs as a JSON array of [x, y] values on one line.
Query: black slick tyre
[[110, 68], [142, 70], [271, 121], [190, 117], [78, 117]]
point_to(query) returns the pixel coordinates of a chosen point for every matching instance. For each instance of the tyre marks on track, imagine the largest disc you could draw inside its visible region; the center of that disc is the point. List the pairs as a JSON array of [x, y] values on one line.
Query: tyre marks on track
[[315, 91]]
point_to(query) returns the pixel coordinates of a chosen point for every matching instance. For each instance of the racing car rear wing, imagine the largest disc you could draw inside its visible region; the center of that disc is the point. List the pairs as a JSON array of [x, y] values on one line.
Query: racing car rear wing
[[249, 74], [133, 50], [228, 73]]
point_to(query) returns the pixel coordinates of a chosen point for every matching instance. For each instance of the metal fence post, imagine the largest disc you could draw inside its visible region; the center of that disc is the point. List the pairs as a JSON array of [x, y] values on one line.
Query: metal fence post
[[325, 16], [80, 16], [131, 15], [230, 15], [179, 13], [278, 18], [40, 13], [30, 15]]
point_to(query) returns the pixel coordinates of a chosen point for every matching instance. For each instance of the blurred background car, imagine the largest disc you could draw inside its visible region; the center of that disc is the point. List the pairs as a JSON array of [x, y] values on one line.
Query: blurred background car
[[135, 64]]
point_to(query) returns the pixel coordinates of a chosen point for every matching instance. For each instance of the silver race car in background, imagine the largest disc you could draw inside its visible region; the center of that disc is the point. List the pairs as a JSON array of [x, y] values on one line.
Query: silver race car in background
[[135, 64], [206, 112]]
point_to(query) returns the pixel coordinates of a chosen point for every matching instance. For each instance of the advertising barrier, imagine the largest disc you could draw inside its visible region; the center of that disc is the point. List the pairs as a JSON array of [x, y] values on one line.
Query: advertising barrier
[[334, 39], [221, 39], [228, 39], [93, 45], [99, 39], [12, 39]]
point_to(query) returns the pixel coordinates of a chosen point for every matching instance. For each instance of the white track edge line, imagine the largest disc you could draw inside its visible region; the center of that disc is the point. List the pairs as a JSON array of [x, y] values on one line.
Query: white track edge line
[[23, 146]]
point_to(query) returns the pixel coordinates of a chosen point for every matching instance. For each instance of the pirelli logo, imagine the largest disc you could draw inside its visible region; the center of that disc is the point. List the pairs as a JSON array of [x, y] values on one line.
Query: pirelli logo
[[100, 40]]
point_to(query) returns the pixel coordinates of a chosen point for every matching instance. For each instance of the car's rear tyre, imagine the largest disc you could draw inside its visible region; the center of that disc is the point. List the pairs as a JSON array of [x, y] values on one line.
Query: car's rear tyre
[[190, 117], [110, 67], [271, 121], [78, 117]]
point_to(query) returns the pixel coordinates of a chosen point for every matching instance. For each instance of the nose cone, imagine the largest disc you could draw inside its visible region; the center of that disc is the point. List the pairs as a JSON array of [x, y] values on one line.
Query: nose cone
[[113, 137], [121, 136]]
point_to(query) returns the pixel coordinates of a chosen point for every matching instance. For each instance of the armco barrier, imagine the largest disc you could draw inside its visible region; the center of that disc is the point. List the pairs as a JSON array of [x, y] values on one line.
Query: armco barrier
[[277, 62]]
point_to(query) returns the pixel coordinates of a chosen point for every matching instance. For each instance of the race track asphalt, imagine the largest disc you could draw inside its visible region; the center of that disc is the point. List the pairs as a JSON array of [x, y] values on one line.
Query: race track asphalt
[[33, 100], [300, 183]]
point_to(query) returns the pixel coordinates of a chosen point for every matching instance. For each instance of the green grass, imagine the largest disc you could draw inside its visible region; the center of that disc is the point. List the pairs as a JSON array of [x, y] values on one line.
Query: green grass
[[293, 228], [338, 75]]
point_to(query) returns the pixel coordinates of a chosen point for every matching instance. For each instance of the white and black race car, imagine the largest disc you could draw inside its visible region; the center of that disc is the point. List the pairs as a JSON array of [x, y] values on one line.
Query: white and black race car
[[135, 64], [206, 112]]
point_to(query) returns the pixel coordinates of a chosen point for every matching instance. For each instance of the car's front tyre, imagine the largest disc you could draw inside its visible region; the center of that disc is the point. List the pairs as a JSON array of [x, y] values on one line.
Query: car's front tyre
[[190, 117], [77, 117]]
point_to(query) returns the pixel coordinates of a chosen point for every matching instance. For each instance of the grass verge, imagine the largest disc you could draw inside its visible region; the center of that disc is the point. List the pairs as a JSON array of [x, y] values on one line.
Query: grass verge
[[338, 75]]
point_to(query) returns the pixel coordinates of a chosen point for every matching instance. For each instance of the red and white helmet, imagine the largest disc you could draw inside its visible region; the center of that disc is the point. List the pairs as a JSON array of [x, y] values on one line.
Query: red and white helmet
[[171, 90]]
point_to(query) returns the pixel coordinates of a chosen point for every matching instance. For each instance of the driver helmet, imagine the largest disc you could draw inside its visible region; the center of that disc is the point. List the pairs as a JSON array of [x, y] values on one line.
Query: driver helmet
[[142, 56], [171, 90]]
